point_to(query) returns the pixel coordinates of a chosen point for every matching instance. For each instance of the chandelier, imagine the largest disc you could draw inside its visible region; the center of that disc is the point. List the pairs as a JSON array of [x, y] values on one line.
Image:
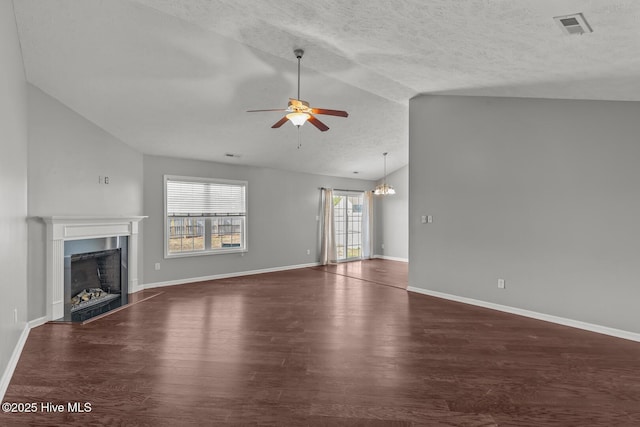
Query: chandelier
[[384, 188]]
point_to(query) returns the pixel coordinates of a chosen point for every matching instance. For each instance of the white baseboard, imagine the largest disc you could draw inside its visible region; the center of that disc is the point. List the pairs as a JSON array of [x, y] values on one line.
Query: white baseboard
[[37, 322], [619, 333], [228, 275], [134, 286], [13, 361], [17, 351], [391, 258]]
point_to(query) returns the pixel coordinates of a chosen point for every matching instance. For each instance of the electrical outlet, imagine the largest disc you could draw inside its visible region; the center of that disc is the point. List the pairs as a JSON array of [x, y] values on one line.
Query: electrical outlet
[[157, 266], [501, 284], [382, 246], [15, 316], [308, 251]]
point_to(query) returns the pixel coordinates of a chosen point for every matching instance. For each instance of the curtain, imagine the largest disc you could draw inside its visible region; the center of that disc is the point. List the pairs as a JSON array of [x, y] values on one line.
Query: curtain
[[367, 225], [328, 238]]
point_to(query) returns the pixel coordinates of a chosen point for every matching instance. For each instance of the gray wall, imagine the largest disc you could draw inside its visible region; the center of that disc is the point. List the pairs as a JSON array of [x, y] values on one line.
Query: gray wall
[[13, 186], [282, 210], [67, 154], [392, 217], [542, 193]]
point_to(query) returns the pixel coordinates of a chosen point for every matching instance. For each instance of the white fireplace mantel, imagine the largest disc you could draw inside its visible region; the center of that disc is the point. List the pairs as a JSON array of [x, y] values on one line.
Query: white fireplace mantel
[[64, 228]]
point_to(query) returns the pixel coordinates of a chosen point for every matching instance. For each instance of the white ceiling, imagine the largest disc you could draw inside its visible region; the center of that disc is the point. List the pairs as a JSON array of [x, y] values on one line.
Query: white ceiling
[[175, 77]]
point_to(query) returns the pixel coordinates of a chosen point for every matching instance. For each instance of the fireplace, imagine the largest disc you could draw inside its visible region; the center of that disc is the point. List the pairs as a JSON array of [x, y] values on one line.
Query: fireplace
[[95, 277], [101, 248]]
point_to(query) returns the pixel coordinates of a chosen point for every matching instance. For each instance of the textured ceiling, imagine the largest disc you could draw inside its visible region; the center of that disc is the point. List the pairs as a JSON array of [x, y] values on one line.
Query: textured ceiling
[[175, 77]]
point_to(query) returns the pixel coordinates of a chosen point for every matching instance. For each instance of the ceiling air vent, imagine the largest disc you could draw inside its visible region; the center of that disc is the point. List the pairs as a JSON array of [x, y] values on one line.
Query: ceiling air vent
[[573, 24]]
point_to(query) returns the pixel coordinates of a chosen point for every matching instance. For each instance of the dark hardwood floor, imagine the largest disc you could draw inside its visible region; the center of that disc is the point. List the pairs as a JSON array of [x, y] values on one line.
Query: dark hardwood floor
[[312, 347], [382, 272]]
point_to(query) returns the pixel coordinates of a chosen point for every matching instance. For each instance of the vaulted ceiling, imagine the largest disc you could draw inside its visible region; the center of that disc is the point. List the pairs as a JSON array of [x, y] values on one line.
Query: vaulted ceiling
[[175, 77]]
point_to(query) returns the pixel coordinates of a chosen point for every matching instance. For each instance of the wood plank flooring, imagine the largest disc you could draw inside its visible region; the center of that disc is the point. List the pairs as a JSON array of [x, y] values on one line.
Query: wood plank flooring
[[382, 272], [312, 347]]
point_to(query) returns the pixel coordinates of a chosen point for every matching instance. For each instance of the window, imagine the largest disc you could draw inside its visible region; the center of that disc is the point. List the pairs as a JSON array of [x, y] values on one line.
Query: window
[[204, 216]]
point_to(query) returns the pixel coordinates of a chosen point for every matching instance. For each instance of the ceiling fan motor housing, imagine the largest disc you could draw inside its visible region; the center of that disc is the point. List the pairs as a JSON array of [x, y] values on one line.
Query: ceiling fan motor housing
[[297, 105]]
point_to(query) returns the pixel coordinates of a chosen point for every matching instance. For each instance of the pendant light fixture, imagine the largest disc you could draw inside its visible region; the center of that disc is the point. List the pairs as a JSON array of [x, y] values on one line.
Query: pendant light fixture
[[384, 188]]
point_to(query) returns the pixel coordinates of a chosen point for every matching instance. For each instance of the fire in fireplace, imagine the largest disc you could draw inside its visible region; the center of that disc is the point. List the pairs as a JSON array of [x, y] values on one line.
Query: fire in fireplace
[[94, 281]]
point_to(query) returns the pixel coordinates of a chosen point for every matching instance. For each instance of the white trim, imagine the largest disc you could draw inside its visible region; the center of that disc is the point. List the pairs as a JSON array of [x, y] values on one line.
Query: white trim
[[205, 252], [37, 322], [17, 351], [619, 333], [228, 275], [13, 361], [391, 258]]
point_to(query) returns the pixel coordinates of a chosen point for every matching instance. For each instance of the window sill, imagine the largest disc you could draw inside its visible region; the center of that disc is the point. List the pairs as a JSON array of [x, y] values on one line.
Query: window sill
[[204, 253]]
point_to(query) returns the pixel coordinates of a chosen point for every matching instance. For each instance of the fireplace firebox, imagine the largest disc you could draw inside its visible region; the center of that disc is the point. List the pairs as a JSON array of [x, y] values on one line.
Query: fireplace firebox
[[95, 277]]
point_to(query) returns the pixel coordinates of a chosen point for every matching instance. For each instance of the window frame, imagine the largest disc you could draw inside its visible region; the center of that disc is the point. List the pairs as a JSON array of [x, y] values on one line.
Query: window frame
[[217, 251], [346, 194]]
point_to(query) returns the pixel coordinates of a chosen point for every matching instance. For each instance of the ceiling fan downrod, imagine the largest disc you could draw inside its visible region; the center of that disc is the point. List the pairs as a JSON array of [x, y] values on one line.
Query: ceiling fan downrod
[[298, 53]]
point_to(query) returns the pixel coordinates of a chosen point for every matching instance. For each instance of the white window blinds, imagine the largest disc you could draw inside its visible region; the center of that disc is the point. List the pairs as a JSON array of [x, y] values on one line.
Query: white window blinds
[[210, 198]]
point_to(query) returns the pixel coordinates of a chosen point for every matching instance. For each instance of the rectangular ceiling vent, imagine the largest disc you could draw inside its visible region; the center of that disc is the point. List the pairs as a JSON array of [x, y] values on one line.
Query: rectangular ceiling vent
[[573, 24]]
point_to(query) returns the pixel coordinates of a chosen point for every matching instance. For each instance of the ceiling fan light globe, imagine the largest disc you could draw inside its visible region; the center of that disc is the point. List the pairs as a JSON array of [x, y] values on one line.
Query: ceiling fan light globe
[[298, 119]]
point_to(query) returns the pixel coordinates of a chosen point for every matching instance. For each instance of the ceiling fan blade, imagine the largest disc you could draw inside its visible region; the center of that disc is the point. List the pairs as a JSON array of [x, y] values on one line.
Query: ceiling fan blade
[[317, 123], [275, 109], [330, 112], [280, 122]]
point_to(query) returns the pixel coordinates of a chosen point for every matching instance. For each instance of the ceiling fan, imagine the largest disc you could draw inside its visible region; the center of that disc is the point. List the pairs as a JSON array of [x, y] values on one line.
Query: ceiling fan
[[299, 111]]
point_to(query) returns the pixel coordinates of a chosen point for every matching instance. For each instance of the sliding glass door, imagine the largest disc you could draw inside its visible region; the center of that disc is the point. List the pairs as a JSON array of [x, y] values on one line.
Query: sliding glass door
[[347, 214]]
